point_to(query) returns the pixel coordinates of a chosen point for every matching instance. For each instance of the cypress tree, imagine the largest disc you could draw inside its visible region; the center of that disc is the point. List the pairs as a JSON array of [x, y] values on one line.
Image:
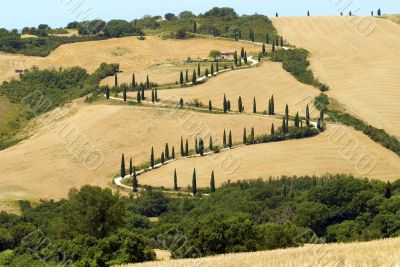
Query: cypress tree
[[209, 105], [281, 41], [244, 136], [147, 82], [210, 143], [319, 124], [273, 48], [187, 76], [152, 157], [142, 94], [283, 130], [194, 78], [173, 152], [138, 98], [194, 184], [252, 135], [194, 27], [196, 147], [308, 13], [155, 95], [263, 49], [297, 120], [108, 92], [276, 14], [181, 103], [152, 96], [235, 57], [212, 183], [225, 105], [269, 107], [187, 148], [217, 66], [201, 147], [230, 143], [287, 115], [175, 181], [272, 129], [212, 69], [240, 106], [182, 149], [242, 53], [245, 58], [307, 116], [388, 190], [181, 78], [166, 151], [273, 105], [372, 13], [207, 73], [267, 39], [224, 139], [130, 167], [162, 158], [321, 115], [115, 81], [135, 183], [123, 174], [133, 80], [254, 106], [228, 105], [379, 12], [198, 70]]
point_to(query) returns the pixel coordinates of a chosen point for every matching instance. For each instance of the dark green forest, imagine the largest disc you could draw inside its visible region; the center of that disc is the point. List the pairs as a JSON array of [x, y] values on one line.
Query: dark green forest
[[95, 227]]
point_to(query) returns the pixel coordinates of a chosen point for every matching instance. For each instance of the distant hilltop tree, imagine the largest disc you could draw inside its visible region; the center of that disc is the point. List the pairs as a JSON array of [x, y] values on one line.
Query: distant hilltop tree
[[379, 12]]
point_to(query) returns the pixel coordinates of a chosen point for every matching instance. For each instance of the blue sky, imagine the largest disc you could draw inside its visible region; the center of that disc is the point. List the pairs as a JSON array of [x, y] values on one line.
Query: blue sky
[[56, 13]]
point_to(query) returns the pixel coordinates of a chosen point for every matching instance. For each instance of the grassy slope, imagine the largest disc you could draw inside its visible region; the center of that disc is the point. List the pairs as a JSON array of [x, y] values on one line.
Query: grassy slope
[[376, 253]]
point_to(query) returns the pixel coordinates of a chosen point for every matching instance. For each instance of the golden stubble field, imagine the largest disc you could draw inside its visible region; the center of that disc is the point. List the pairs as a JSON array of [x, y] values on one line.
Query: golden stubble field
[[359, 58], [52, 161], [382, 253], [259, 82], [338, 150], [132, 54]]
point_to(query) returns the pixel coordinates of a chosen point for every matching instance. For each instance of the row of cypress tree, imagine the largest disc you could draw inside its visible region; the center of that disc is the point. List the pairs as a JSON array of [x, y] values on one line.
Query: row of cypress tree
[[194, 182]]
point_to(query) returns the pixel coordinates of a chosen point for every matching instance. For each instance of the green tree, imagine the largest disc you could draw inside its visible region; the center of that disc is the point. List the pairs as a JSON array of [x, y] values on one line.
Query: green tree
[[194, 183], [196, 146], [107, 92], [155, 95], [388, 190], [212, 183], [138, 97], [214, 54], [194, 26], [217, 67], [93, 211], [273, 105], [225, 104], [181, 103], [252, 139], [194, 77], [207, 72], [308, 13], [173, 152], [135, 183], [152, 96], [242, 53], [133, 80], [211, 143], [283, 130], [187, 148], [254, 106], [272, 129], [6, 240], [209, 105], [263, 49], [273, 48], [124, 93], [175, 181], [212, 68], [181, 78], [198, 70], [162, 158], [187, 76], [244, 136], [147, 82], [287, 116], [267, 39], [297, 120], [166, 151], [307, 116], [235, 58], [224, 139], [240, 105], [142, 94], [245, 58], [152, 157], [281, 43], [115, 81], [201, 147], [182, 149], [269, 107], [123, 170], [230, 143]]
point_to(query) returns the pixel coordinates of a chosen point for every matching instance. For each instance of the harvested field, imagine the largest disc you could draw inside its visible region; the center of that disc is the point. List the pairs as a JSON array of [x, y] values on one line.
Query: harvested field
[[49, 163], [139, 54], [382, 253], [359, 58], [260, 82], [338, 150]]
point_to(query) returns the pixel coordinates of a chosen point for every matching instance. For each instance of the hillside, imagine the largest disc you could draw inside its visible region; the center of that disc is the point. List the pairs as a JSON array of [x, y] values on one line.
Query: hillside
[[132, 54], [382, 253], [360, 67]]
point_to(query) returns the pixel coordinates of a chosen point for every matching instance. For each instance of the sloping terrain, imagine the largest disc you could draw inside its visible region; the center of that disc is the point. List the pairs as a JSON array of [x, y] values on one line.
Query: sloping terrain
[[82, 144], [359, 58], [375, 253], [338, 150], [261, 82], [132, 54]]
